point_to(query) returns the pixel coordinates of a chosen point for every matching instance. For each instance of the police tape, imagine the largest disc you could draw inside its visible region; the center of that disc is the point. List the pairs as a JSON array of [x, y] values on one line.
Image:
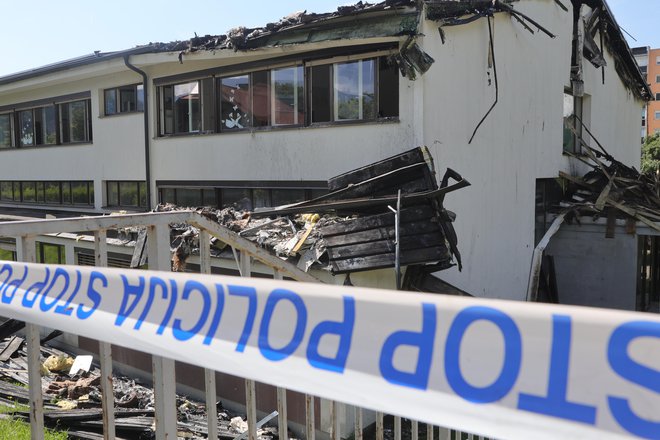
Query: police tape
[[496, 368]]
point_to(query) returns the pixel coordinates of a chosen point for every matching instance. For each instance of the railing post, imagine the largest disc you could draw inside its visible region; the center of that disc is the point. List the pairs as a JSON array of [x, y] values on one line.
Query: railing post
[[334, 420], [105, 348], [245, 268], [209, 375], [164, 372], [380, 427], [358, 424], [26, 252], [310, 428], [414, 430], [282, 422], [397, 428]]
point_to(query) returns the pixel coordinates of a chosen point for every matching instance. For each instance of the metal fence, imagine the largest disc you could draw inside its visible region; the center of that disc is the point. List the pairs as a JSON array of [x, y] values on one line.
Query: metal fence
[[26, 233]]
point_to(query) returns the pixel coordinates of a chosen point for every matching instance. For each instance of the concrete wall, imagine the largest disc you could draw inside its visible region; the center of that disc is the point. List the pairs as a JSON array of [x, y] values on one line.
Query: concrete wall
[[593, 270]]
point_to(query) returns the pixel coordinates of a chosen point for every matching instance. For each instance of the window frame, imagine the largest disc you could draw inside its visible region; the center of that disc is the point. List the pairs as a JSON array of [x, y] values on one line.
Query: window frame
[[136, 87], [43, 187], [12, 137], [140, 187], [211, 85]]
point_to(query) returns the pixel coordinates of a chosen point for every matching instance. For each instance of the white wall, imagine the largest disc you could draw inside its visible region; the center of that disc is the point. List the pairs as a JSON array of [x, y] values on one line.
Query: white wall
[[519, 142]]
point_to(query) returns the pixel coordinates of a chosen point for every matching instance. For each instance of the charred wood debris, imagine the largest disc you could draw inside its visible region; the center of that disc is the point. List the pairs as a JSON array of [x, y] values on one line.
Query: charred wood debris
[[351, 228], [73, 398], [611, 190]]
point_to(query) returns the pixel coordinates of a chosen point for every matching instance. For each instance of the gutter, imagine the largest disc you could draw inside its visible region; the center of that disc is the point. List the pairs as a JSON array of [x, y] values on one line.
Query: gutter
[[147, 144]]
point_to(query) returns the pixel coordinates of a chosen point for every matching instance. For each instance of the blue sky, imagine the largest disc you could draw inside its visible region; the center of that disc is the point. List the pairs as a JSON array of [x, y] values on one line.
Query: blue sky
[[39, 32]]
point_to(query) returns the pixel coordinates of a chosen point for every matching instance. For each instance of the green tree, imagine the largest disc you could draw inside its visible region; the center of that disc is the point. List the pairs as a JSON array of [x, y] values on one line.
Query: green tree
[[651, 154]]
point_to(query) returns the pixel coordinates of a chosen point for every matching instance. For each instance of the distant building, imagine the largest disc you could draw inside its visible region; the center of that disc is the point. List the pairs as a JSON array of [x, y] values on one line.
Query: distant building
[[649, 64]]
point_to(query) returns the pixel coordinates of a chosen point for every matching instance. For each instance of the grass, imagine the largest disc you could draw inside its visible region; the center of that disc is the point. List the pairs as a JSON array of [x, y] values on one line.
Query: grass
[[11, 429]]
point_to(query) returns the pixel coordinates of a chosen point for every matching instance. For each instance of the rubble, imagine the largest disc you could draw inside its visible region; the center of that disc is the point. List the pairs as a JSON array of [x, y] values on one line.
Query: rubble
[[611, 189], [351, 228], [73, 403]]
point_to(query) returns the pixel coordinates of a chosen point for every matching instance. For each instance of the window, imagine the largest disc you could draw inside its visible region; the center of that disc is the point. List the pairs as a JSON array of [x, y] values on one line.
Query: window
[[75, 123], [657, 60], [52, 124], [6, 140], [125, 99], [323, 92], [129, 194], [354, 90], [657, 96], [7, 255], [49, 192], [180, 108], [241, 197], [657, 78], [50, 253], [572, 127], [38, 126], [656, 115]]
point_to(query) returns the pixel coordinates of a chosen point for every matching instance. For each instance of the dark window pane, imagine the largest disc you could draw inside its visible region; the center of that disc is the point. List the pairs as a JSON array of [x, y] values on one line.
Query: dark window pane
[[235, 102], [128, 194], [286, 196], [388, 89], [49, 125], [321, 94], [65, 123], [110, 96], [189, 197], [90, 185], [52, 192], [167, 122], [112, 189], [5, 131], [66, 193], [128, 99], [27, 127], [208, 197], [260, 99], [17, 191], [355, 90], [50, 253], [78, 121], [142, 187], [240, 196], [79, 193], [288, 96], [28, 189], [40, 192], [6, 191], [167, 195], [261, 198]]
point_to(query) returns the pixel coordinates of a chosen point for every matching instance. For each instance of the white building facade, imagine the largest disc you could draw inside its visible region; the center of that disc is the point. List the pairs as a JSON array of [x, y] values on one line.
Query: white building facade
[[272, 118]]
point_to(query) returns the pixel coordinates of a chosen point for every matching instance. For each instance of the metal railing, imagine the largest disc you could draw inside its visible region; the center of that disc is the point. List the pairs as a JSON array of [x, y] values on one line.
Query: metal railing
[[164, 378]]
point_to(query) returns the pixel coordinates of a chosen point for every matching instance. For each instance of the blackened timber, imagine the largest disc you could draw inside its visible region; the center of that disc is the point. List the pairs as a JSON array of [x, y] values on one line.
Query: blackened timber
[[12, 345], [319, 206], [387, 260], [375, 221], [376, 169], [386, 246], [382, 234]]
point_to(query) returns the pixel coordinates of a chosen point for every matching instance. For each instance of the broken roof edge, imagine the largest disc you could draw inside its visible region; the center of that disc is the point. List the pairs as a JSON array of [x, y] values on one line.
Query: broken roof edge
[[449, 12], [238, 38]]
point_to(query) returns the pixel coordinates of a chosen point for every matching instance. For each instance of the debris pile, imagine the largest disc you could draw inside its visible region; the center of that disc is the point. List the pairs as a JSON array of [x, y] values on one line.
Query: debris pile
[[73, 401], [352, 228], [613, 190]]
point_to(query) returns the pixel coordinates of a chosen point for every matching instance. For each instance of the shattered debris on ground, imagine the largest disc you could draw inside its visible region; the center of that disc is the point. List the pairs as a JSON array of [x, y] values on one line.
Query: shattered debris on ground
[[73, 403]]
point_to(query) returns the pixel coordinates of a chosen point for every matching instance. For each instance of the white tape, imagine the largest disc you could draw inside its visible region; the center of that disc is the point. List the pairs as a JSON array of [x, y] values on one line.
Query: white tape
[[496, 368]]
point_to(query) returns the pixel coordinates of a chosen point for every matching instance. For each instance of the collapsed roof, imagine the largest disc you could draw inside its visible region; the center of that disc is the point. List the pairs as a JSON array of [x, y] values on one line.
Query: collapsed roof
[[354, 227]]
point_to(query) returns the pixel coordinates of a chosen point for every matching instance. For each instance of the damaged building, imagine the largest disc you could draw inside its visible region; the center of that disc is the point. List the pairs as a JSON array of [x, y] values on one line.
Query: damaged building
[[508, 93], [522, 98]]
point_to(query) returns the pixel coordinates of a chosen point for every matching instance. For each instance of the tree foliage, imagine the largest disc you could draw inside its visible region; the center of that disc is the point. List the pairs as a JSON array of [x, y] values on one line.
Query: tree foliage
[[651, 154]]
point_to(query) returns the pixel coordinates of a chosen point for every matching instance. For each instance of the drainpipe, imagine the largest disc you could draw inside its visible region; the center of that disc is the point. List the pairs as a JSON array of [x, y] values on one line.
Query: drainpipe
[[147, 145]]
